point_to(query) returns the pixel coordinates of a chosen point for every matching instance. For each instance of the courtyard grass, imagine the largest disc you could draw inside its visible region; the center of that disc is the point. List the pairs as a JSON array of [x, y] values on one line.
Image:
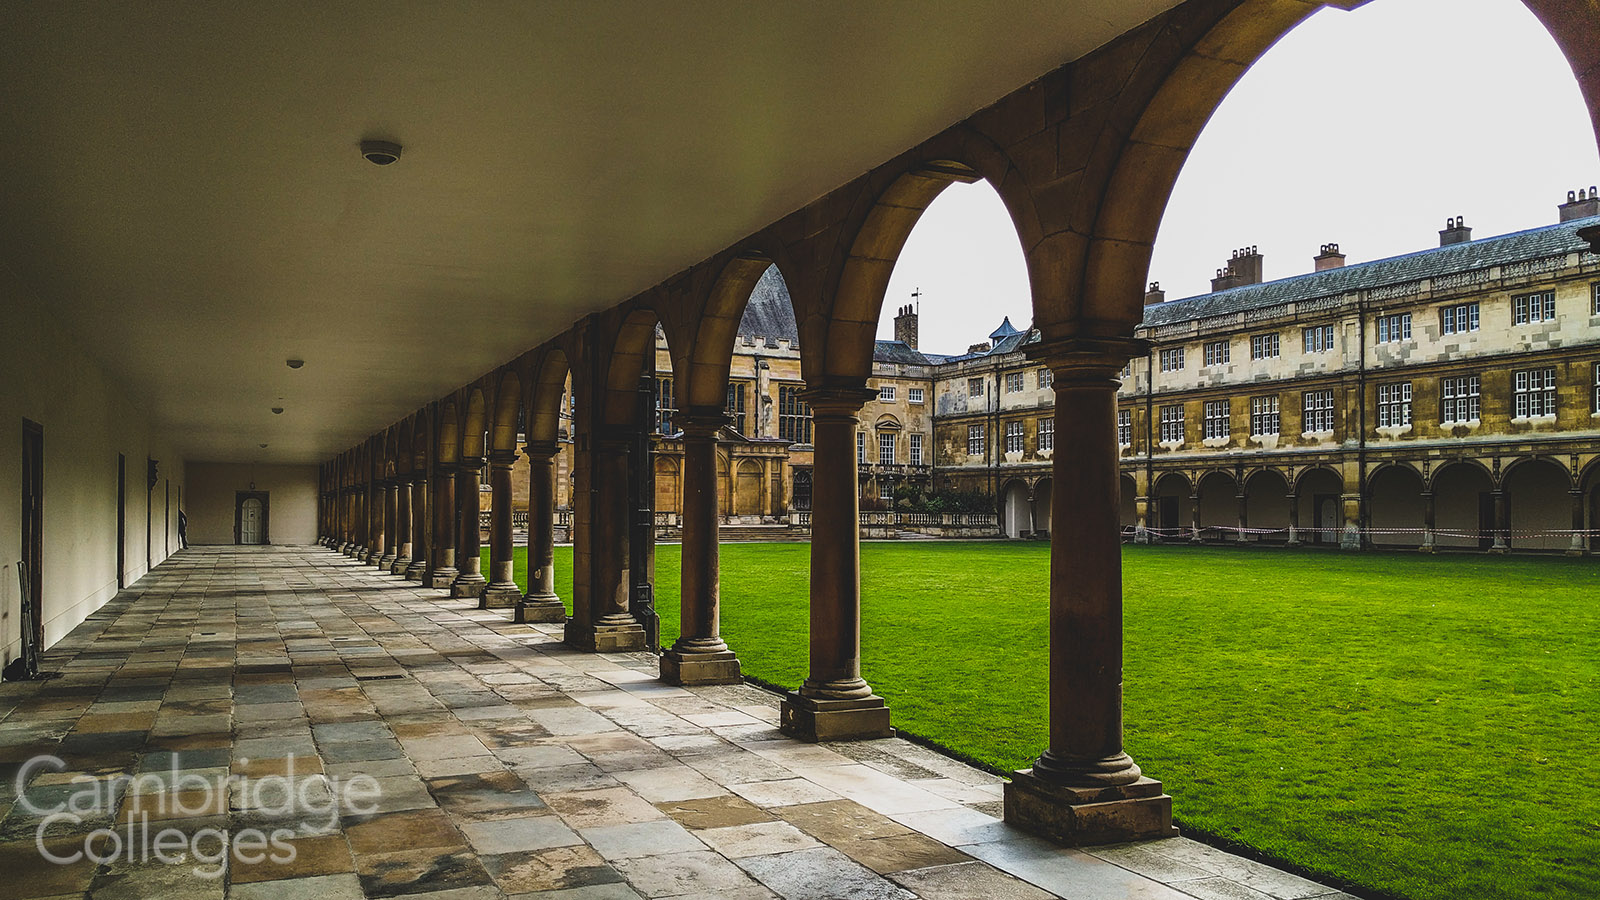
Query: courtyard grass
[[1423, 726]]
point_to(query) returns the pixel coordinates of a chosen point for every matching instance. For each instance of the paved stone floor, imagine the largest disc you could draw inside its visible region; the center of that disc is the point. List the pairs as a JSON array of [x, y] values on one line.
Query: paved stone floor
[[394, 742]]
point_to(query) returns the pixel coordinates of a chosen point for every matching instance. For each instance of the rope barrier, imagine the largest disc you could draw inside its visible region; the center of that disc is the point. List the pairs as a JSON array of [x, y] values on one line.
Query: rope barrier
[[1523, 534]]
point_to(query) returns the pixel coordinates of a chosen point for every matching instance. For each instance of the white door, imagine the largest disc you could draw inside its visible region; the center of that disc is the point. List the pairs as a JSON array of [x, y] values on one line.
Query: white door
[[250, 521], [1328, 515]]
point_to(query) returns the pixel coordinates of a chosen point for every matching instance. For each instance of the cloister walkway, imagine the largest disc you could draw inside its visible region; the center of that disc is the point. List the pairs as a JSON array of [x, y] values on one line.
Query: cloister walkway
[[495, 762]]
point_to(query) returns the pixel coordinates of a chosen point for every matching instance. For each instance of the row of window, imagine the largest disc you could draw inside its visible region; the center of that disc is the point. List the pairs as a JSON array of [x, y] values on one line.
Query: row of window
[[887, 394], [886, 447], [1015, 437], [1015, 382], [1459, 318], [1533, 394]]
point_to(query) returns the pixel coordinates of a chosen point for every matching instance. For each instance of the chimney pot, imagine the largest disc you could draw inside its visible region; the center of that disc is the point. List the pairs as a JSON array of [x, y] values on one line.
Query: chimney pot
[[1581, 204]]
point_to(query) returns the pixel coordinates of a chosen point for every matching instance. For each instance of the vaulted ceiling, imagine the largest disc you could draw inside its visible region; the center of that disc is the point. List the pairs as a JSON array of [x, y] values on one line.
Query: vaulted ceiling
[[181, 184]]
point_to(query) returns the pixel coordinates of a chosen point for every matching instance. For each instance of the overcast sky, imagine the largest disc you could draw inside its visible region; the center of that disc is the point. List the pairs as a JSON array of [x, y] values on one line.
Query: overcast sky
[[1365, 128]]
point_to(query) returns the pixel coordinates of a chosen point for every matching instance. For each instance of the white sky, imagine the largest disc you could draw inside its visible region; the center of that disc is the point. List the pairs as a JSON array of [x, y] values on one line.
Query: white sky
[[1365, 128]]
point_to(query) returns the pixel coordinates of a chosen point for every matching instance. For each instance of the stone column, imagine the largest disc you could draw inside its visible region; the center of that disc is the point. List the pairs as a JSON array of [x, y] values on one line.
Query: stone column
[[1194, 513], [541, 603], [1085, 788], [419, 530], [606, 626], [1428, 526], [1244, 514], [402, 527], [375, 506], [502, 592], [1294, 519], [835, 703], [444, 527], [1502, 523], [1350, 537], [470, 583], [391, 531], [1141, 512], [1576, 547], [699, 656]]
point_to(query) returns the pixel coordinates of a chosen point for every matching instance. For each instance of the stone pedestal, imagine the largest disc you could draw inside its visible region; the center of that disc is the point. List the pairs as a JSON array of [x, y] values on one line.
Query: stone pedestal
[[1079, 816], [813, 719], [444, 529], [608, 635], [690, 668]]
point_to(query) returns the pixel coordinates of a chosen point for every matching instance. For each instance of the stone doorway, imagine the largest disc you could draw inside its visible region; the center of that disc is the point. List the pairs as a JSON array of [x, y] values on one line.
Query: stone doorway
[[250, 517]]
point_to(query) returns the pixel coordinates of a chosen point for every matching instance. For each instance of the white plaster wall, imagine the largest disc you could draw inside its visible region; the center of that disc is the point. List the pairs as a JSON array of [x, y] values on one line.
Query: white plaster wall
[[88, 419], [292, 501]]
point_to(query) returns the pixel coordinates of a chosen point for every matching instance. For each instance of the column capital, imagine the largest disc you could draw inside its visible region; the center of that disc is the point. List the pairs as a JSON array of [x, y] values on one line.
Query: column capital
[[1085, 358], [503, 459], [469, 464], [701, 422], [835, 401], [541, 449]]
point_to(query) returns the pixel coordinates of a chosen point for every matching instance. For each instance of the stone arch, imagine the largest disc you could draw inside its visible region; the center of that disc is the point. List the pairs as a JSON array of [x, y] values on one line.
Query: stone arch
[[474, 425], [633, 357], [1266, 504], [1462, 504], [1396, 513], [747, 489], [711, 357], [449, 433], [1171, 506], [1319, 491], [1016, 508], [1478, 464], [548, 404], [1165, 101], [857, 302], [666, 478], [507, 412], [1217, 493], [1538, 500]]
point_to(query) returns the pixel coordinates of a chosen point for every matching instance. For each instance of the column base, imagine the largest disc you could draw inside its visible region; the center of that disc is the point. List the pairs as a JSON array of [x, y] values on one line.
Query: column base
[[361, 554], [605, 638], [399, 566], [721, 667], [386, 561], [443, 578], [501, 596], [468, 587], [416, 570], [1077, 817], [540, 608], [810, 719]]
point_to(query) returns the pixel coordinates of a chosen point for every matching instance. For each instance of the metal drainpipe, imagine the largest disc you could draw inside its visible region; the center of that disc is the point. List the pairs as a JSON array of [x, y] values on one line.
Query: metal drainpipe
[[1365, 517]]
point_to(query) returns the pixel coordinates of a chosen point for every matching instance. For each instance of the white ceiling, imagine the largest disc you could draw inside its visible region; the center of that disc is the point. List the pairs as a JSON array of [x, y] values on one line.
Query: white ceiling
[[181, 181]]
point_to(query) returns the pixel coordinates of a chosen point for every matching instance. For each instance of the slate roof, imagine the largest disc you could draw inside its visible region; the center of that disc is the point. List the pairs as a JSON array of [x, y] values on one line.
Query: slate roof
[[1535, 243], [770, 313], [1005, 330]]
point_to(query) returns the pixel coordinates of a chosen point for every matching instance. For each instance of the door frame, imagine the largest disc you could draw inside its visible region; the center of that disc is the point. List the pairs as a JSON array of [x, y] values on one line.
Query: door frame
[[122, 521], [239, 497], [33, 532]]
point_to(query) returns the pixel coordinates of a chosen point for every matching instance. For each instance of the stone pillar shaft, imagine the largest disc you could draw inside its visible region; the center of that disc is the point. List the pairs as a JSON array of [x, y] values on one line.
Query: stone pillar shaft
[[1294, 519], [444, 528], [835, 702], [1428, 525], [700, 656], [391, 531], [502, 592], [1085, 788], [541, 603], [1502, 524], [470, 582], [1576, 547], [419, 530], [605, 624], [402, 524]]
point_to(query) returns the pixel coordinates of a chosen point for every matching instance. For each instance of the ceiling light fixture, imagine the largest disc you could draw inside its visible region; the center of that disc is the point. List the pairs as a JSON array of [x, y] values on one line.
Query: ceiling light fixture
[[263, 446], [380, 153], [277, 410], [295, 363]]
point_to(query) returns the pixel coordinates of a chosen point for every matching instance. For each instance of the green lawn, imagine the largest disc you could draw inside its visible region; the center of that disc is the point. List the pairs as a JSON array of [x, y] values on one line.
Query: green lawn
[[1419, 725]]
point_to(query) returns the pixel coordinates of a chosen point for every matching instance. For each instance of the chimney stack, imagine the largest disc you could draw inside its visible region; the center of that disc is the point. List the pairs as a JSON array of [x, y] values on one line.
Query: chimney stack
[[1155, 294], [1581, 204], [905, 326], [1455, 231], [1329, 258], [1244, 268]]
